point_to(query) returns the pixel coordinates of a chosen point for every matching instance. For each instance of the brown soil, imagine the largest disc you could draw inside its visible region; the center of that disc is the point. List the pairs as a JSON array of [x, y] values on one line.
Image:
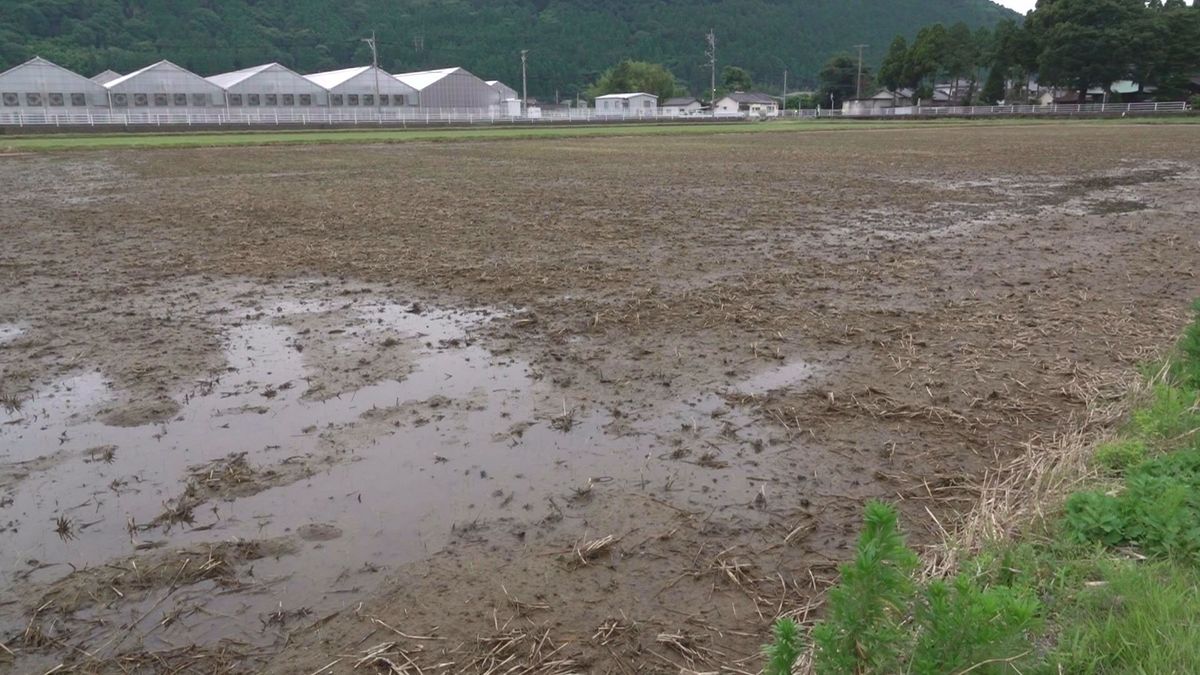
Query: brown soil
[[849, 315]]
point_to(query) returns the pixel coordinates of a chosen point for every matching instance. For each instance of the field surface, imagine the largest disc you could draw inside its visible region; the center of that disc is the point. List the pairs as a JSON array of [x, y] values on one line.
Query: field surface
[[606, 404]]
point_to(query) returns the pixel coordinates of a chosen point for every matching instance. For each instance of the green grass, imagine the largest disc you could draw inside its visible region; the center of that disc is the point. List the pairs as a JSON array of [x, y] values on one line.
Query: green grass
[[1135, 617], [338, 136], [102, 141], [1111, 584]]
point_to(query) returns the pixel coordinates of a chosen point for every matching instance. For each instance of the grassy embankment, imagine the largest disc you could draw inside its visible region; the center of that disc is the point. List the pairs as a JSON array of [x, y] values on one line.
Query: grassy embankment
[[148, 140], [1101, 574]]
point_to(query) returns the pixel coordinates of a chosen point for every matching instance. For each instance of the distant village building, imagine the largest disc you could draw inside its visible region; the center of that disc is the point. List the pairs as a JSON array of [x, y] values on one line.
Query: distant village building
[[636, 103], [39, 85], [161, 87], [873, 105], [747, 104], [356, 87], [269, 86], [682, 106]]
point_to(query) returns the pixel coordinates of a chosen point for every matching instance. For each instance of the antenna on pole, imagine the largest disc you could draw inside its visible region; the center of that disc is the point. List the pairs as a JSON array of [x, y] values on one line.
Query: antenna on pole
[[524, 82], [711, 53], [375, 66], [858, 82]]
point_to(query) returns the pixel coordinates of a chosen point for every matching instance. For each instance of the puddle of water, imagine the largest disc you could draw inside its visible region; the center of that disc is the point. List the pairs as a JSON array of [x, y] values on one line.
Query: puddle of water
[[789, 375], [408, 467], [10, 332]]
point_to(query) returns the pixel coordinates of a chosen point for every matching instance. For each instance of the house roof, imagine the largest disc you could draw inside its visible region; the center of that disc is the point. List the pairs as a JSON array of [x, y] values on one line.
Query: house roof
[[106, 76], [751, 97], [161, 65], [423, 78], [227, 80], [680, 101], [888, 94], [626, 96]]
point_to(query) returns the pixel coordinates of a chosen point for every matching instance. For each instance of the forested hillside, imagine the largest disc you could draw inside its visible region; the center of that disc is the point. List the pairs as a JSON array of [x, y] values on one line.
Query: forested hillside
[[570, 41]]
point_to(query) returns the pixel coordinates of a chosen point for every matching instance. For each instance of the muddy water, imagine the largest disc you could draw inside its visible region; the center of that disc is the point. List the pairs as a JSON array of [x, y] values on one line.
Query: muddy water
[[10, 331], [460, 439]]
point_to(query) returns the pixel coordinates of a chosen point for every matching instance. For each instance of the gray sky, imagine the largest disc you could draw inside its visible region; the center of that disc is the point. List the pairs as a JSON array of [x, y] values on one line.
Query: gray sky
[[1021, 6]]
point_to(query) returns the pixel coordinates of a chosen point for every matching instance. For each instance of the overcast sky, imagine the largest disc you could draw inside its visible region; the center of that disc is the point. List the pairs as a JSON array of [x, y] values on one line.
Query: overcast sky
[[1021, 6]]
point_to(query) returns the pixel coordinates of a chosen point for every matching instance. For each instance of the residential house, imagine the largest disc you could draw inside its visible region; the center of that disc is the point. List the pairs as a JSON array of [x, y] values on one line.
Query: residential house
[[637, 104], [746, 104], [682, 106]]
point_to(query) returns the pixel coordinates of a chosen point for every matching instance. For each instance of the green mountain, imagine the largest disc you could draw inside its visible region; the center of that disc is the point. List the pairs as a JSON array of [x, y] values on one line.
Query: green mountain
[[570, 41]]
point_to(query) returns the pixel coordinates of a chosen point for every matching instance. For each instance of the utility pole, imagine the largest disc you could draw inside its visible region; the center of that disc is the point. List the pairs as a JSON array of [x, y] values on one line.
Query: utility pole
[[375, 66], [524, 82], [785, 90], [711, 52], [858, 84]]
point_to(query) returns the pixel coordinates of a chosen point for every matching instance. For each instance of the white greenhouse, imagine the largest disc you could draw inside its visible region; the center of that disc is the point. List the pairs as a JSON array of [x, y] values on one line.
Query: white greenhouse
[[450, 89], [269, 86], [163, 86], [506, 92], [356, 87], [41, 86], [105, 77]]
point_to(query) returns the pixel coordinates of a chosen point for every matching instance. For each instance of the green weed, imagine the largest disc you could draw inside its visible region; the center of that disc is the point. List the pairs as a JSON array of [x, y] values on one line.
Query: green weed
[[1170, 413], [1119, 456], [1158, 510], [1185, 370]]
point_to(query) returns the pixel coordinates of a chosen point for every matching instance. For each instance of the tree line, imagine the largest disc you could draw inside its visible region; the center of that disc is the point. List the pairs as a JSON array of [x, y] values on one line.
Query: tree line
[[571, 42], [1069, 44]]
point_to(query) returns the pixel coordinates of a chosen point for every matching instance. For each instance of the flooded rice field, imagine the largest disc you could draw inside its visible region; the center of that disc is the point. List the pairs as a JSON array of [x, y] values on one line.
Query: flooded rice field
[[509, 407]]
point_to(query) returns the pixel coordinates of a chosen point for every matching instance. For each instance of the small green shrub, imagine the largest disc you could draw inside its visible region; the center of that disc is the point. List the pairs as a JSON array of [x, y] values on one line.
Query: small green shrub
[[880, 621], [1195, 101], [1119, 456], [864, 629], [1170, 413], [784, 648], [963, 624]]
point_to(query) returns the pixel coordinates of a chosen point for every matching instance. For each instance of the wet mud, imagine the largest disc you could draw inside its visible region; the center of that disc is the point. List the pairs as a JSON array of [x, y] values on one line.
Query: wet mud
[[483, 406]]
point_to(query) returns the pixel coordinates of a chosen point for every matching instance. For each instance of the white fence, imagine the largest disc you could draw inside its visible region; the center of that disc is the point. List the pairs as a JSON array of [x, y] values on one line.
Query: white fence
[[317, 117], [367, 117], [1048, 110]]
